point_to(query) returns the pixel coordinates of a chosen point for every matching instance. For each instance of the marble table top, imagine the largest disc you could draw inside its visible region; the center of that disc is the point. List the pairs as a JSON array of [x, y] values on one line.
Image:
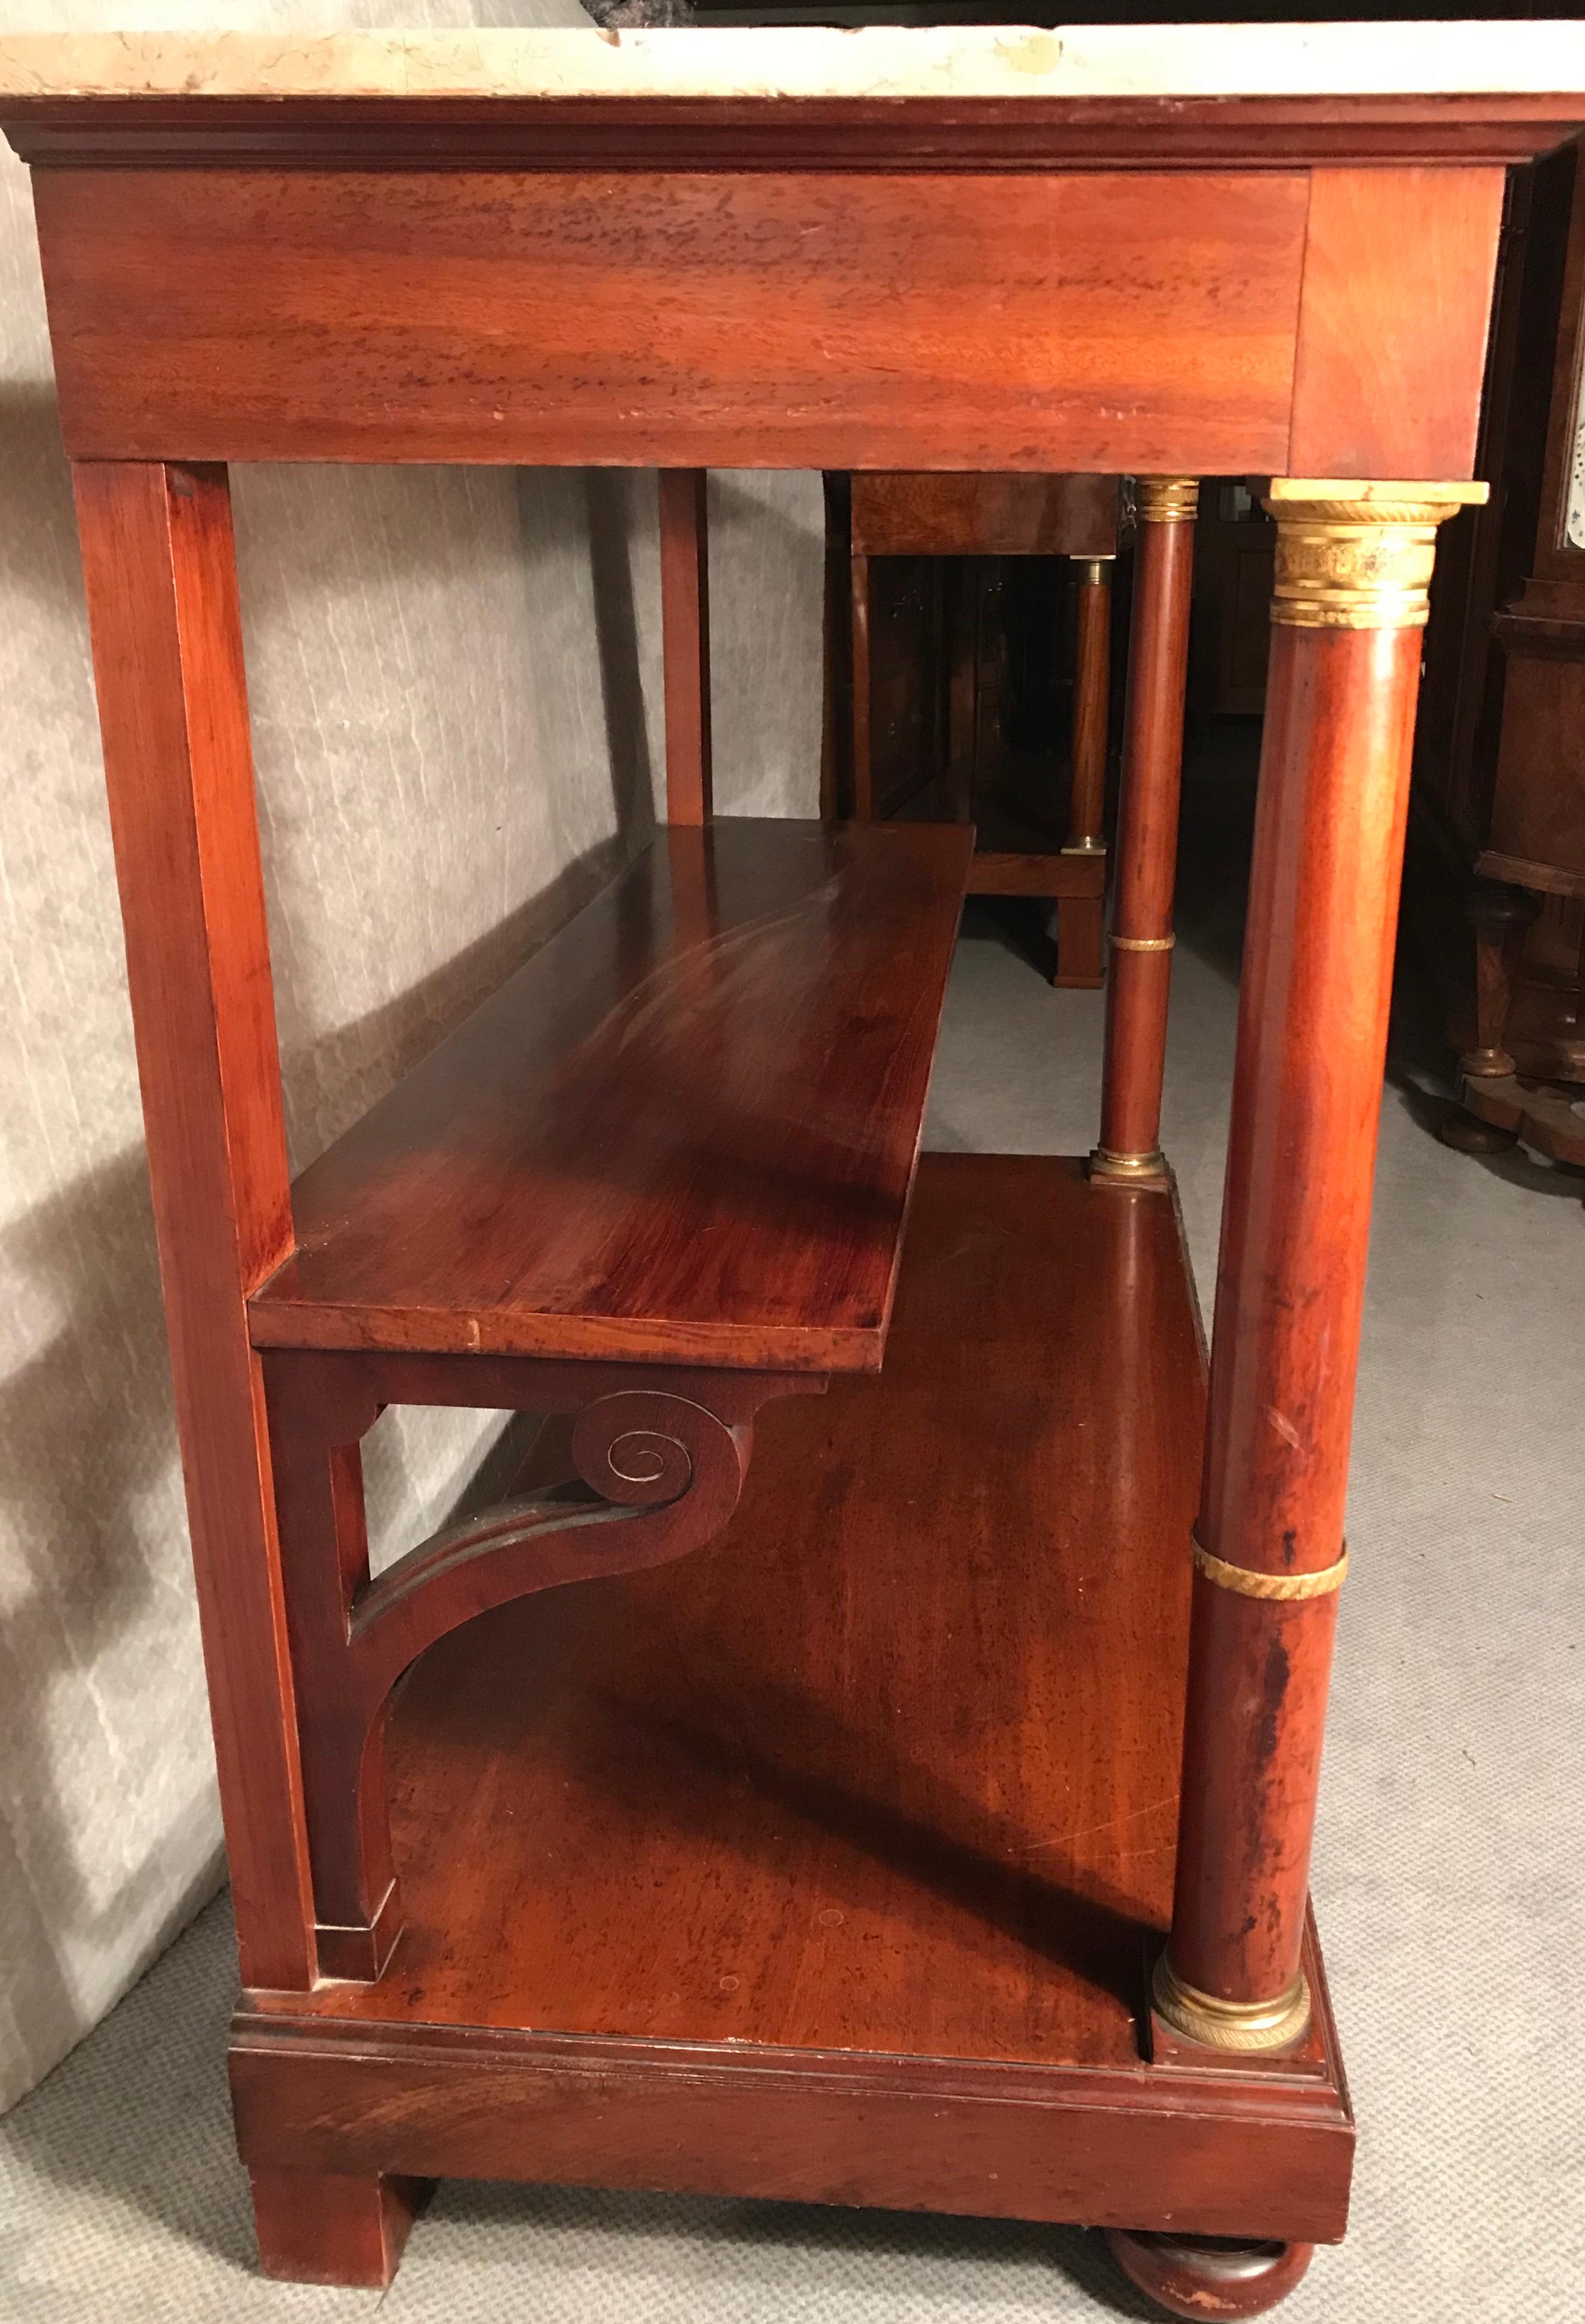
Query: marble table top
[[879, 62]]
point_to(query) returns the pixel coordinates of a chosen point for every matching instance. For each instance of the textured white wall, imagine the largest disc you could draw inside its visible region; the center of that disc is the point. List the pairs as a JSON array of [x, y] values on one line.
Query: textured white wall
[[455, 684]]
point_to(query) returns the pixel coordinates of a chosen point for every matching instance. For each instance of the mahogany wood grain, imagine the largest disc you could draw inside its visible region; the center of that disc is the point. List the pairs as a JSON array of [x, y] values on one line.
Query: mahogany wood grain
[[162, 611], [1147, 839], [1316, 982], [1243, 2156], [744, 1740], [1001, 871], [906, 513], [830, 1861], [685, 616], [658, 1457], [930, 135], [1091, 702], [685, 1131], [1398, 268], [726, 1876], [1018, 854], [1124, 322], [322, 2227], [1081, 941]]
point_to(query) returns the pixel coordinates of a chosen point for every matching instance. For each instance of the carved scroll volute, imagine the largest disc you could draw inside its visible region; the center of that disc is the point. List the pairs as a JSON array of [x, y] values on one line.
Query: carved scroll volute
[[643, 1449], [669, 1471], [668, 1465]]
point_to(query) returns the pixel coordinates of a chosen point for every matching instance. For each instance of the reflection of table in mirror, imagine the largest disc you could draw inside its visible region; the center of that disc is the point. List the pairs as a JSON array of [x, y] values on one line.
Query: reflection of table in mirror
[[918, 646], [846, 1858]]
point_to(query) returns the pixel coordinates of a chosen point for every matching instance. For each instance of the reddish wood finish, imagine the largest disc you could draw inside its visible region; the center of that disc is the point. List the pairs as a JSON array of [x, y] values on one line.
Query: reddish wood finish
[[685, 612], [968, 521], [1500, 751], [1398, 267], [1501, 916], [1501, 1105], [995, 871], [1147, 838], [1052, 322], [910, 514], [162, 589], [799, 1933], [322, 2227], [1307, 1096], [1081, 941], [1032, 2141], [1208, 2277], [829, 1863], [1092, 702], [722, 1738], [684, 1132], [964, 135], [665, 1453]]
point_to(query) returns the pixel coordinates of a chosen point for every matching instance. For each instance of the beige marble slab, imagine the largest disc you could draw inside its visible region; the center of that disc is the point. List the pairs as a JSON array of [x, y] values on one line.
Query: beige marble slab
[[878, 61]]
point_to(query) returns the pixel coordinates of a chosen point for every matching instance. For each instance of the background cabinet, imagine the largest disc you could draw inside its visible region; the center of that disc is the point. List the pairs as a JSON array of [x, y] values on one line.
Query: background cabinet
[[1500, 759]]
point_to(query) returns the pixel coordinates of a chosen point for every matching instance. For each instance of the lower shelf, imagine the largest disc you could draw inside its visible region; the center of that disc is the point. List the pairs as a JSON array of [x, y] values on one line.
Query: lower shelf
[[829, 1863]]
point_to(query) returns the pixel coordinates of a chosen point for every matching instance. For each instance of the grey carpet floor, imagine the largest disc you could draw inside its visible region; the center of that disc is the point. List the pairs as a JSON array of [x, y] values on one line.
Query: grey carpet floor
[[1450, 1870]]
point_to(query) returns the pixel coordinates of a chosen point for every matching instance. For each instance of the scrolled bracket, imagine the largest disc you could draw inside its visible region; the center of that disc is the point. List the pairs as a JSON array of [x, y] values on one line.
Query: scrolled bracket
[[665, 1452], [641, 1449], [669, 1471]]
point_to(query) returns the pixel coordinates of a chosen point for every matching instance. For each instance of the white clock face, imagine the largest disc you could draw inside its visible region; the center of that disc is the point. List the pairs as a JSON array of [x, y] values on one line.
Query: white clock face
[[1574, 513]]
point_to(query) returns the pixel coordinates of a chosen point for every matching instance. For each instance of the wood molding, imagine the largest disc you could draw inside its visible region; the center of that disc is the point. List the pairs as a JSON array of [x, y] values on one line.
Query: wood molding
[[745, 135]]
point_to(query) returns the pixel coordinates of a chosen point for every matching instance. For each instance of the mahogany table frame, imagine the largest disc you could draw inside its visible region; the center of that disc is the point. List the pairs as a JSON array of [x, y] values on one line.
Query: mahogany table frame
[[1293, 286]]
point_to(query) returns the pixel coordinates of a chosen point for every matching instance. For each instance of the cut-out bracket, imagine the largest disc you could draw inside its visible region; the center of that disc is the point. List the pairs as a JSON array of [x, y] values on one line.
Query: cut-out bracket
[[667, 1451]]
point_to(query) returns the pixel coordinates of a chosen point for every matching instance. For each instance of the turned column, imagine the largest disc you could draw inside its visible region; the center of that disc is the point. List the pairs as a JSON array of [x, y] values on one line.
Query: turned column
[[1353, 563], [1130, 1152], [1092, 704]]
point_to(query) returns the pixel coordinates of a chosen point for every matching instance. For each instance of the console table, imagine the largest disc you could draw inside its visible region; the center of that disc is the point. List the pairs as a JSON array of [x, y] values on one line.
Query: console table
[[845, 1857]]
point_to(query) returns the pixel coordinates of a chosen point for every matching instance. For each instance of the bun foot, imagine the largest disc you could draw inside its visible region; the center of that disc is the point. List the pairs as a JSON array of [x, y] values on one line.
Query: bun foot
[[1208, 2276], [1466, 1133]]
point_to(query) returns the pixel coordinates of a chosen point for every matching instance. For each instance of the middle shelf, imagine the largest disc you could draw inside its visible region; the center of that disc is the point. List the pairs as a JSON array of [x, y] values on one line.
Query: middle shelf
[[685, 1131]]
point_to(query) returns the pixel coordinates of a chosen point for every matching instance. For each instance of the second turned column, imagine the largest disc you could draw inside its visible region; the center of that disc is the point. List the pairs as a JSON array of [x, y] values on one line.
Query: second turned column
[[1130, 1152]]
